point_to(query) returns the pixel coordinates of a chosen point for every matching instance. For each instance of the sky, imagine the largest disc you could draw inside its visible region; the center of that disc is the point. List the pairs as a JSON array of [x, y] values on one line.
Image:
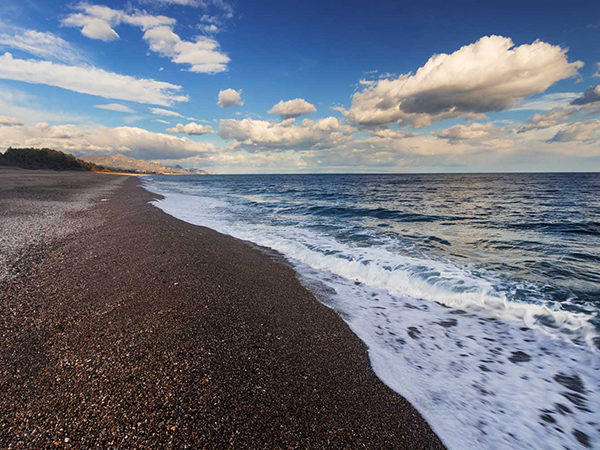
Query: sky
[[306, 87]]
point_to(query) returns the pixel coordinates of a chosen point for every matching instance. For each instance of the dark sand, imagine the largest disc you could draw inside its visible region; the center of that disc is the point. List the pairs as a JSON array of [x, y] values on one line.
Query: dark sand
[[137, 329], [37, 207]]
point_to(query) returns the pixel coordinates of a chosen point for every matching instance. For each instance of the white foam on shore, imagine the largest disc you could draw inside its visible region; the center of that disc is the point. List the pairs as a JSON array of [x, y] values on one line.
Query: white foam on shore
[[484, 372]]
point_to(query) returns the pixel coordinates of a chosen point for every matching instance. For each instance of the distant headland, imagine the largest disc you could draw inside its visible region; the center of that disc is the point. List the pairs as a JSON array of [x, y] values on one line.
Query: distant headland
[[45, 158]]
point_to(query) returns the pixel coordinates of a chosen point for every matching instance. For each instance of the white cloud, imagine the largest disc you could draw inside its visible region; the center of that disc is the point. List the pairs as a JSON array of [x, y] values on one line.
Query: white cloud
[[257, 135], [547, 102], [230, 97], [135, 142], [147, 22], [191, 129], [90, 80], [115, 107], [388, 133], [591, 95], [411, 152], [209, 28], [97, 21], [6, 121], [293, 108], [488, 75], [292, 146], [164, 112], [92, 27], [470, 132], [42, 44], [588, 131], [210, 19], [112, 16], [245, 162], [203, 54], [550, 119]]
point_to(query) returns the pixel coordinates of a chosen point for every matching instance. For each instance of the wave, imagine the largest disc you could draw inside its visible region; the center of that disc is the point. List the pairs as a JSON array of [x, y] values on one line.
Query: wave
[[380, 268], [589, 228], [484, 370], [353, 212]]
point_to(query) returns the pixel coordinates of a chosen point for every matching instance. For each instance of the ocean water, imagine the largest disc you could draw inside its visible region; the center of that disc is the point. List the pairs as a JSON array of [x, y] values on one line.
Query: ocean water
[[477, 295]]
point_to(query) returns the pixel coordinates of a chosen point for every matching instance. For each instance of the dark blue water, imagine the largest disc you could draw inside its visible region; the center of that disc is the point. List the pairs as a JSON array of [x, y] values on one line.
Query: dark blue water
[[442, 275]]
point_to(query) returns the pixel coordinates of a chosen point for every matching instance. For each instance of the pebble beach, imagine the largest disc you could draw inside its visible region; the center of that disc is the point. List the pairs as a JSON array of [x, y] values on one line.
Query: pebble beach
[[123, 326]]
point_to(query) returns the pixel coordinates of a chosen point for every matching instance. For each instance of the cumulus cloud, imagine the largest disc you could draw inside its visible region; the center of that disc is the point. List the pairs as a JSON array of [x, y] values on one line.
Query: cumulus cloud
[[6, 121], [97, 21], [550, 119], [591, 95], [230, 97], [473, 131], [165, 112], [256, 135], [293, 108], [488, 75], [90, 80], [135, 142], [115, 107], [202, 55], [191, 129], [588, 131], [93, 28], [37, 43], [261, 147]]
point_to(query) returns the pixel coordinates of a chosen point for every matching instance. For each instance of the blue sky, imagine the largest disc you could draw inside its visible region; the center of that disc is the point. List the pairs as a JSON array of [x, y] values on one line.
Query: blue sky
[[360, 87]]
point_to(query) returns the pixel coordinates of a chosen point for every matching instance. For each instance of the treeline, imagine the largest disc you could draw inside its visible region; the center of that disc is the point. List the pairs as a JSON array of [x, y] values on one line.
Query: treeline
[[46, 158]]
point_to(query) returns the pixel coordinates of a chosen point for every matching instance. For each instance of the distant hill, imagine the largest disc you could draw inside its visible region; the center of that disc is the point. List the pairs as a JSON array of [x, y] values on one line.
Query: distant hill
[[44, 158], [121, 162]]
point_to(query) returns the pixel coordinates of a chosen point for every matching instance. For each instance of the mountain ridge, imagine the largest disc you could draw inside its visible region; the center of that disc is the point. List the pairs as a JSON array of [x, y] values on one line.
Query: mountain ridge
[[119, 161]]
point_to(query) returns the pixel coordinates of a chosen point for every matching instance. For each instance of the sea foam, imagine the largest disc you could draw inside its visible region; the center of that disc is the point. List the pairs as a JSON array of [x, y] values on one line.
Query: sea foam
[[483, 370]]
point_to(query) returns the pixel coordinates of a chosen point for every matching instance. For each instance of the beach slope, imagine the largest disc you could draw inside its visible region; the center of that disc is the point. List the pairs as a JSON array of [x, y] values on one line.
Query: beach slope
[[132, 328]]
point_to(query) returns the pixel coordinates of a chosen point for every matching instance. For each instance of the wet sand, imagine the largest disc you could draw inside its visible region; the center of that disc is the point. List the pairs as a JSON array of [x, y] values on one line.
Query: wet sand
[[131, 328]]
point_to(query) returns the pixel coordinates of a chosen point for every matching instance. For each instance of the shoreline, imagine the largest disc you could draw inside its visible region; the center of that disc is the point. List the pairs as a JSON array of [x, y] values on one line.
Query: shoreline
[[140, 329]]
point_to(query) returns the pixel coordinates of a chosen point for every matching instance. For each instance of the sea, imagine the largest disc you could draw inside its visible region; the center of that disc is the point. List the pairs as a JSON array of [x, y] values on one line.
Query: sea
[[477, 295]]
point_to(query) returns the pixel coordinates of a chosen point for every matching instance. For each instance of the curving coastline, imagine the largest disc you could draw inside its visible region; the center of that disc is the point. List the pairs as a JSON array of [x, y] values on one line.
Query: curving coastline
[[135, 328]]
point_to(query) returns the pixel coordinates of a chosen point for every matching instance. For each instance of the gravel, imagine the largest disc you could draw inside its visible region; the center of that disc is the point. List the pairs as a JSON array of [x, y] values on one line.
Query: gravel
[[135, 329], [37, 207]]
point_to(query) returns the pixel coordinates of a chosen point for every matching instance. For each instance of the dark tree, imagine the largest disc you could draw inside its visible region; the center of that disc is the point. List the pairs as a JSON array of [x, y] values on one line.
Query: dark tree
[[44, 158]]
